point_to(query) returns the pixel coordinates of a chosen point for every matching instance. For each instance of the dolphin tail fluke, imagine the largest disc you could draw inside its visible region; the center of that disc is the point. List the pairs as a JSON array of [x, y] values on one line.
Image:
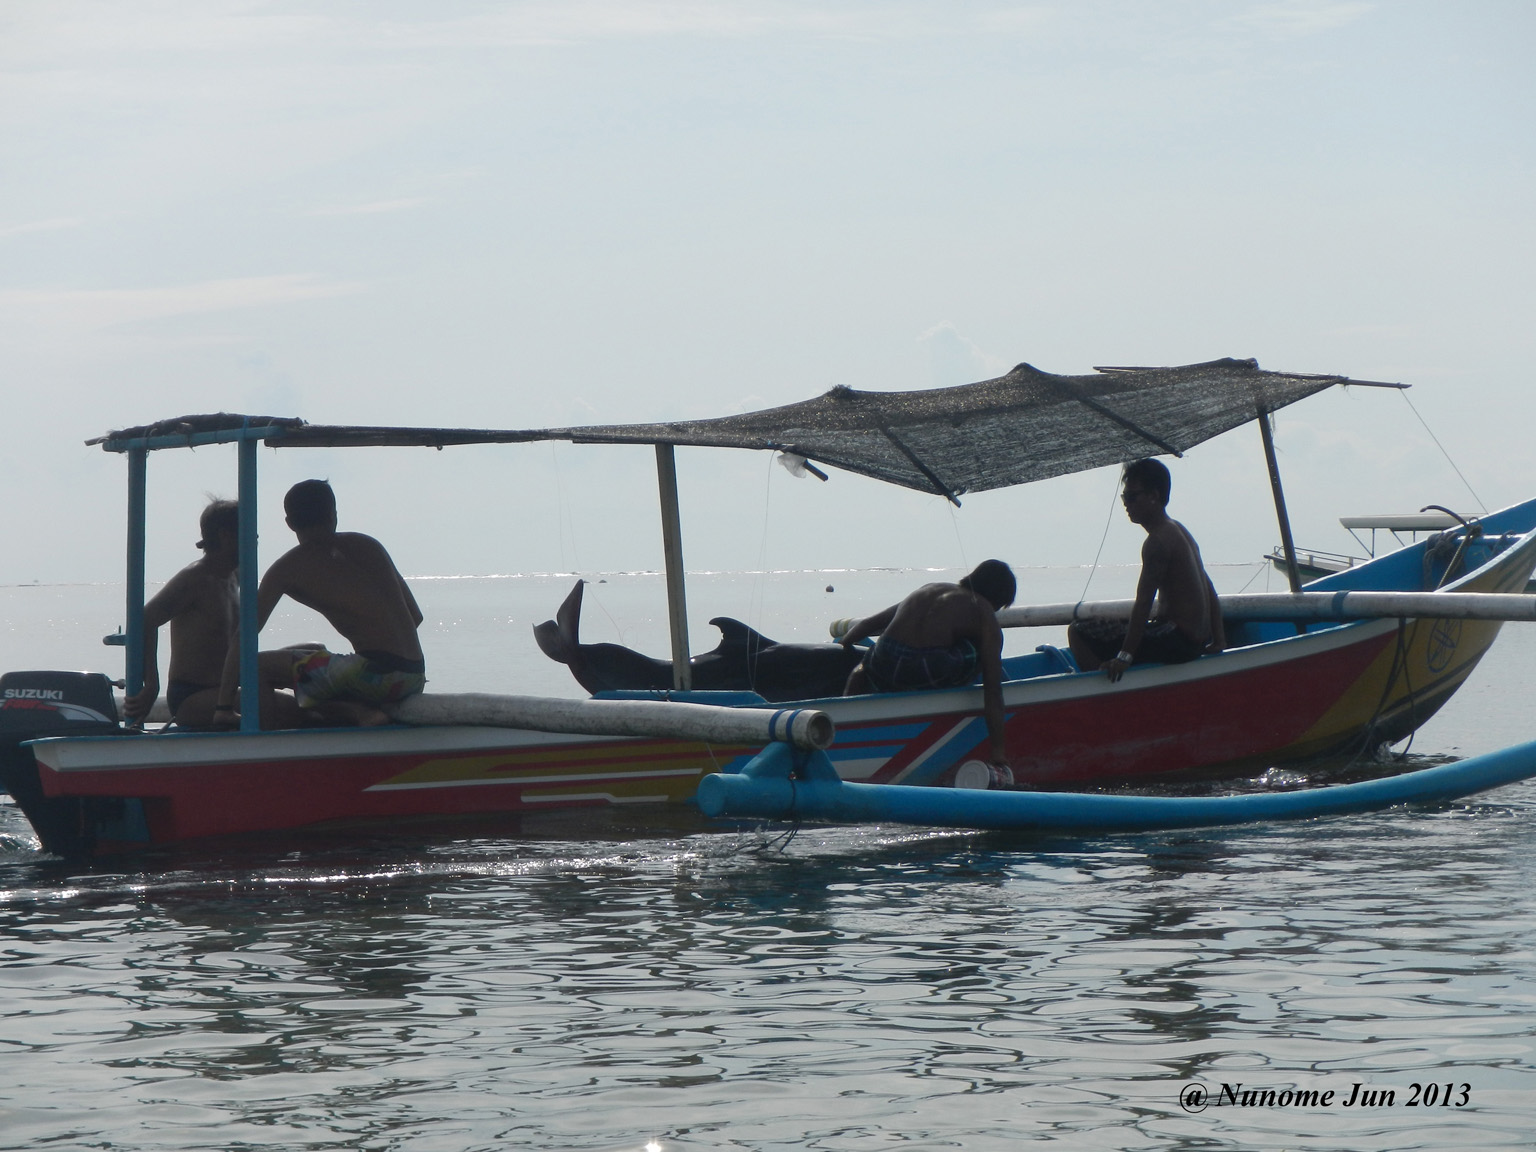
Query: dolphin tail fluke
[[560, 638]]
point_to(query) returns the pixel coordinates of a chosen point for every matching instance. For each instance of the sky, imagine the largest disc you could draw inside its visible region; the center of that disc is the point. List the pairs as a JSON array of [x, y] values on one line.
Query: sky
[[544, 214]]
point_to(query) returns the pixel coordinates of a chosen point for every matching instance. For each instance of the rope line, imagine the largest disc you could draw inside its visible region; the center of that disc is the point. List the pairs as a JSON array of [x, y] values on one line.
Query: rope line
[[1404, 394], [1108, 520]]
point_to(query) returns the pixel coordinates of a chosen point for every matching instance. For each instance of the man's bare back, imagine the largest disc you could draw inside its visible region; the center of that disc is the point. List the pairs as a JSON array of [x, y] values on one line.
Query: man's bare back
[[350, 580], [941, 635], [1182, 589], [937, 615]]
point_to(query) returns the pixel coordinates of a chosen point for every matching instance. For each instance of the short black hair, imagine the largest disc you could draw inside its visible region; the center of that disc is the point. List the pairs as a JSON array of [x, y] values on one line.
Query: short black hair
[[309, 502], [1150, 474], [993, 581], [219, 516]]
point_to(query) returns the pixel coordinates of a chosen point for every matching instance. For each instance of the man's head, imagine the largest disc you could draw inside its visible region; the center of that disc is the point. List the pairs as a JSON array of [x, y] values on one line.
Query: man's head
[[993, 581], [310, 504], [220, 525], [1144, 488]]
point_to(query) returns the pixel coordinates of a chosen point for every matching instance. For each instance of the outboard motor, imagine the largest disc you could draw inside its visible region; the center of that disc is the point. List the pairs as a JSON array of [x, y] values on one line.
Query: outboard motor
[[56, 704], [34, 704]]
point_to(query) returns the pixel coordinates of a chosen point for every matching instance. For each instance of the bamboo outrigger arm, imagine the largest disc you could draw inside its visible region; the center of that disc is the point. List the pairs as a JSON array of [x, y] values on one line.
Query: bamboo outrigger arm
[[1303, 606]]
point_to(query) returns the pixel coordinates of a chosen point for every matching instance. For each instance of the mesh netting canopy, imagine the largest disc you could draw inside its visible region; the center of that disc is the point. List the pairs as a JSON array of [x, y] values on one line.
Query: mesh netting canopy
[[1026, 425]]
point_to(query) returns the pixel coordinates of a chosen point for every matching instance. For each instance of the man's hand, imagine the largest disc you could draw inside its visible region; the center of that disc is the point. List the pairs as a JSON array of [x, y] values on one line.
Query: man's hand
[[225, 719], [1114, 668], [137, 706]]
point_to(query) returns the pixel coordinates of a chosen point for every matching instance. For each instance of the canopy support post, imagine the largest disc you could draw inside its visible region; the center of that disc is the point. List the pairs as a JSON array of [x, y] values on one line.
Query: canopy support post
[[1292, 575], [250, 679], [133, 650], [672, 547]]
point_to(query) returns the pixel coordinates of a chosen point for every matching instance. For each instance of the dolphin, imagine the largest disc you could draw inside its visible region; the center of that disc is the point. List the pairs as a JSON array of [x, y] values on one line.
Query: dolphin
[[744, 661]]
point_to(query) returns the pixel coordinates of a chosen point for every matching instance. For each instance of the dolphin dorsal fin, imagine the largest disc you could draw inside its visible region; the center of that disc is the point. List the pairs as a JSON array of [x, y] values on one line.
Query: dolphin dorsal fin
[[734, 634]]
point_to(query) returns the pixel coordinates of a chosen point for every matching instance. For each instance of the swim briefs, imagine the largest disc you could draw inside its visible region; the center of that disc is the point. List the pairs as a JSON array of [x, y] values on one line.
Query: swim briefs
[[895, 667], [1161, 643], [375, 678], [177, 692]]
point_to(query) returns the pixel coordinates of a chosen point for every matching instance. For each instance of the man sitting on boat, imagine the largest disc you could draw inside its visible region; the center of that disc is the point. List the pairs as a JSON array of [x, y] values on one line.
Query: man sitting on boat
[[200, 603], [1188, 621], [349, 579], [939, 637]]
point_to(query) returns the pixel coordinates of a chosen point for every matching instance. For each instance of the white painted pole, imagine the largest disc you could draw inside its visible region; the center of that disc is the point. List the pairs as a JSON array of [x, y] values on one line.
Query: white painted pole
[[1303, 606], [672, 548], [803, 727]]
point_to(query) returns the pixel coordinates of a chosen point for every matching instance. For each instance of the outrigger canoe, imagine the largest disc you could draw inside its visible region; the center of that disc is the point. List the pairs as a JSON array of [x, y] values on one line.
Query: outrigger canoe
[[1303, 677]]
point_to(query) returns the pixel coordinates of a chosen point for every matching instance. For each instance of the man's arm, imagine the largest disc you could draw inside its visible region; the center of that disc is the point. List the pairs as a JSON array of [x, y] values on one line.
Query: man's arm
[[868, 626], [171, 601], [410, 601], [1154, 567], [272, 589], [1218, 626]]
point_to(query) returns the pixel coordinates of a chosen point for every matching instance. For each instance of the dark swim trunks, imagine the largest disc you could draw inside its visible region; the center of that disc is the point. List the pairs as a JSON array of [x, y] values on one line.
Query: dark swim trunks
[[1161, 643], [177, 692], [374, 678], [896, 667]]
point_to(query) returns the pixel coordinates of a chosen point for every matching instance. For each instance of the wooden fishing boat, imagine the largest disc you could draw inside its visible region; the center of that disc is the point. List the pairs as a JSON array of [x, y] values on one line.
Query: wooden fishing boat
[[1302, 677]]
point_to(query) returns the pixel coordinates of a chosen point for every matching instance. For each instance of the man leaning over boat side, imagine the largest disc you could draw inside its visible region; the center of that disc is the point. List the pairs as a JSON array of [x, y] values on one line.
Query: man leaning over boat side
[[201, 604], [1188, 614], [938, 637], [349, 579]]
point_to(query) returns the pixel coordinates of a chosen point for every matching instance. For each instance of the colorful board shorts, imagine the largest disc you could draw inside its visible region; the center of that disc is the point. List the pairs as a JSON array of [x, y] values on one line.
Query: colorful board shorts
[[895, 667], [375, 678], [1161, 643]]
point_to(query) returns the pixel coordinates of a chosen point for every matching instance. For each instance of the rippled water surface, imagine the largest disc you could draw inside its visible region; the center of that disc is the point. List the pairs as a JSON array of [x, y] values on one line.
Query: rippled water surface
[[659, 981]]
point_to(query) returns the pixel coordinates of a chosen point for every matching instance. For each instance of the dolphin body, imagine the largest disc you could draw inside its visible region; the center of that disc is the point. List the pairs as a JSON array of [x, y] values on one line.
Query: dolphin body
[[744, 661]]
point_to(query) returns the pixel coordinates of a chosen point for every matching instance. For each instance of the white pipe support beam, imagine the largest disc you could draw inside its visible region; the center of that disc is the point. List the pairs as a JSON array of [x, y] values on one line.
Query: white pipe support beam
[[1303, 606], [712, 723]]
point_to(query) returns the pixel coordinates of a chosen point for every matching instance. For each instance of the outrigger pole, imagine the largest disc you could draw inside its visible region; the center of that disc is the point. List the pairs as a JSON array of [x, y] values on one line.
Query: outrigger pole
[[1292, 573]]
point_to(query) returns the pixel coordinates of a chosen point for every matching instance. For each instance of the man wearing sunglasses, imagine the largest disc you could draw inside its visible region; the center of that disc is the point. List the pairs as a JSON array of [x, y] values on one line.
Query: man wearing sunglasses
[[1188, 620]]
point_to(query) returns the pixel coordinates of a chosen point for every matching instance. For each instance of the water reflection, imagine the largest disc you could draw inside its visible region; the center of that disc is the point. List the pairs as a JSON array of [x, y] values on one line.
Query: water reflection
[[656, 980]]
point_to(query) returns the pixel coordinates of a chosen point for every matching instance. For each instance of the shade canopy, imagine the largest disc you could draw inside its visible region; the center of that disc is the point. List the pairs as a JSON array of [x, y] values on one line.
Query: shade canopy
[[1026, 425]]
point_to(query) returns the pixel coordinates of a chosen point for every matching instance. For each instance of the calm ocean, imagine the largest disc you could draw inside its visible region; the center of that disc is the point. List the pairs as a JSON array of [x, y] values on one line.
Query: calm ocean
[[649, 981]]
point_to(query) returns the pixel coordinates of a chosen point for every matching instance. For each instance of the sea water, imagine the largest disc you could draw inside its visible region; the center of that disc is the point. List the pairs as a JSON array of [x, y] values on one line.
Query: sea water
[[637, 980]]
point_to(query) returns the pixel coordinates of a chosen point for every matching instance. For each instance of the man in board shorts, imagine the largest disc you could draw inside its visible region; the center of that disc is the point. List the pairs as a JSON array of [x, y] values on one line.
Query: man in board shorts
[[1188, 620], [940, 636], [350, 580]]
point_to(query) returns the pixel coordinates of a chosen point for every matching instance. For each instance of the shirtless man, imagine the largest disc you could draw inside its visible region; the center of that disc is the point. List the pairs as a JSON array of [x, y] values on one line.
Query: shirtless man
[[937, 638], [350, 580], [1188, 621], [201, 604]]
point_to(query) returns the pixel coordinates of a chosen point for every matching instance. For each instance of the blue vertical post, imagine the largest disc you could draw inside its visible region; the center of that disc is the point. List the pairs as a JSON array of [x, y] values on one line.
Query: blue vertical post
[[250, 684], [133, 672]]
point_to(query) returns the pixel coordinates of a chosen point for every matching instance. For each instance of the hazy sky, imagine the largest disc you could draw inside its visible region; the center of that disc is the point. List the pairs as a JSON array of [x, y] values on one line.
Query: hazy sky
[[531, 214]]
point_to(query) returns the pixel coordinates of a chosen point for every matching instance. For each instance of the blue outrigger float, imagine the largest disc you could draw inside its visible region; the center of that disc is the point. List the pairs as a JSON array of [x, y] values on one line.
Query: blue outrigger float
[[784, 783]]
